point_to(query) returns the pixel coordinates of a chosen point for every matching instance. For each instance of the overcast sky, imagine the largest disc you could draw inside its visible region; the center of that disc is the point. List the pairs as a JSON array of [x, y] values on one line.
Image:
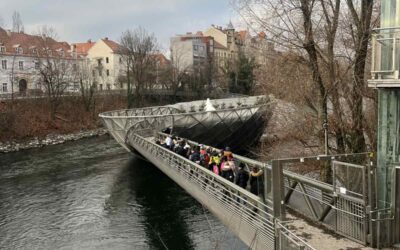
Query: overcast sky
[[80, 20]]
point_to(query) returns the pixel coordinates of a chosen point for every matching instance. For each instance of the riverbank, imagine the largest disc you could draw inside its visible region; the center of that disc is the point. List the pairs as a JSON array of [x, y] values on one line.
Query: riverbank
[[51, 139]]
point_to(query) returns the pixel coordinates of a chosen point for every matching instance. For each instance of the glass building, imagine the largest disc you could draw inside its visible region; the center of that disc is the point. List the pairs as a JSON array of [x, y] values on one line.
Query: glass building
[[385, 78]]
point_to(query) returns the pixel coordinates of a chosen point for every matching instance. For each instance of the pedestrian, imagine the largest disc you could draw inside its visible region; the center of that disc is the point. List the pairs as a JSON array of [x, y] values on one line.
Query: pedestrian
[[257, 181], [227, 167], [242, 176]]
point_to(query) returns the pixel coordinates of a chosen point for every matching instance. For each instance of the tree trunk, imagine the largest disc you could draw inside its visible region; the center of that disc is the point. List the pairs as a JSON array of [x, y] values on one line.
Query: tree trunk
[[309, 46]]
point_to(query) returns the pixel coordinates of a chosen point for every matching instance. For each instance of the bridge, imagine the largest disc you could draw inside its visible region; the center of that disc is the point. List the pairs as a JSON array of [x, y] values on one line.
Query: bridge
[[261, 222]]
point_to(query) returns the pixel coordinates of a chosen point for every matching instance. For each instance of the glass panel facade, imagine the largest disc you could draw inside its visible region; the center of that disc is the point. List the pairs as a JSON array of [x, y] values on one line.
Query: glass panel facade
[[389, 19], [388, 142]]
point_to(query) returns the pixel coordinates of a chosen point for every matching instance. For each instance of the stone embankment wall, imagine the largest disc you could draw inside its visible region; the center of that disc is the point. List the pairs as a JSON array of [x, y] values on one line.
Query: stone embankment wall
[[51, 139]]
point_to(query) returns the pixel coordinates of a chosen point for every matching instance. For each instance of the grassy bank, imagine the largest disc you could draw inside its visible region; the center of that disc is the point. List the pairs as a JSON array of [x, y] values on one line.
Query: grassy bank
[[24, 119]]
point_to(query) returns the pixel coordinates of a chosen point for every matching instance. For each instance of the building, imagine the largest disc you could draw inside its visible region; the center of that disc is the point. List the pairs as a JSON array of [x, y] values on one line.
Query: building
[[221, 45], [190, 51], [385, 78], [227, 44], [21, 56], [105, 65], [103, 61]]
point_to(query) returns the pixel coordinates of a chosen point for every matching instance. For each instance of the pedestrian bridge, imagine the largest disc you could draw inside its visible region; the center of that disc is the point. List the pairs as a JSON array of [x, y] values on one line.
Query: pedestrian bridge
[[260, 222]]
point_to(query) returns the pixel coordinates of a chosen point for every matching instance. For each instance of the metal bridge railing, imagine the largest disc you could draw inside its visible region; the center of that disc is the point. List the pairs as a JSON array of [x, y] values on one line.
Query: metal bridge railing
[[243, 210], [345, 213], [288, 240], [343, 207]]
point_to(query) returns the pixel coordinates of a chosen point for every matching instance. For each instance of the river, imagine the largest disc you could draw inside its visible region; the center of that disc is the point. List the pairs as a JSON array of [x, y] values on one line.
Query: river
[[92, 194]]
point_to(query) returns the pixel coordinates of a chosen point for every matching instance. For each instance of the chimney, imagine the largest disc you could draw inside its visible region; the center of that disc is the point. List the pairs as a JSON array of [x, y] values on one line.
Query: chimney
[[73, 47], [106, 38], [8, 32], [89, 41]]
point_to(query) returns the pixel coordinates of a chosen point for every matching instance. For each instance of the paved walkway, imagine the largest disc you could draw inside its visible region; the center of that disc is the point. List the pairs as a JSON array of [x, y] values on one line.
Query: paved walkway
[[318, 237]]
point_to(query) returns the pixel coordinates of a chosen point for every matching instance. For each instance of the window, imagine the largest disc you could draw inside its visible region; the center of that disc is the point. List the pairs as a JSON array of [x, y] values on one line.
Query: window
[[120, 60], [21, 65], [195, 47], [5, 89], [2, 49], [93, 73], [108, 86], [18, 50], [37, 65], [101, 86], [4, 64], [74, 67], [108, 72], [107, 60], [100, 72]]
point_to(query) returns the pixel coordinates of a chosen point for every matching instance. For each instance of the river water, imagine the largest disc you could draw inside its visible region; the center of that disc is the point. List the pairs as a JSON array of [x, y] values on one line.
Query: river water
[[92, 194]]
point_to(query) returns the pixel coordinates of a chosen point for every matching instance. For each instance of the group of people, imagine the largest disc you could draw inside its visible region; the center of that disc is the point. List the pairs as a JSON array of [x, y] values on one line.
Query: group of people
[[221, 163]]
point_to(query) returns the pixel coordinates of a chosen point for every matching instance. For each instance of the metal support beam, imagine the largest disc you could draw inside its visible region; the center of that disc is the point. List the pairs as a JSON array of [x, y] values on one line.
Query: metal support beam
[[278, 190], [327, 209], [308, 201], [290, 191]]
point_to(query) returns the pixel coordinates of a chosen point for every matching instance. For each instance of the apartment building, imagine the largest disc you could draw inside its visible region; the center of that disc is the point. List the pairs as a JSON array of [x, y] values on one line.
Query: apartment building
[[190, 51], [104, 62], [21, 56], [220, 45]]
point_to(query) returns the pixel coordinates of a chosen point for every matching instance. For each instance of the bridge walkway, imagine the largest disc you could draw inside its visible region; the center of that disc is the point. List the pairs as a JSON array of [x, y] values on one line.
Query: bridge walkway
[[245, 214]]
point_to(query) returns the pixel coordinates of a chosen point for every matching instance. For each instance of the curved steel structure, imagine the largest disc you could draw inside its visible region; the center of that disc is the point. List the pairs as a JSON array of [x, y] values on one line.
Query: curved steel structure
[[236, 122]]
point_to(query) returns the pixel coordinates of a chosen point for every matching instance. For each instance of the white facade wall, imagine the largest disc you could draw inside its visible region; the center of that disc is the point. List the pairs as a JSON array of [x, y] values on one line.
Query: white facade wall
[[187, 52], [14, 73], [106, 76]]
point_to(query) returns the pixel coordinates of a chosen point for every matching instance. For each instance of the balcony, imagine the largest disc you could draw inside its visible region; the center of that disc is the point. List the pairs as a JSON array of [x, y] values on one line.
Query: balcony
[[385, 58]]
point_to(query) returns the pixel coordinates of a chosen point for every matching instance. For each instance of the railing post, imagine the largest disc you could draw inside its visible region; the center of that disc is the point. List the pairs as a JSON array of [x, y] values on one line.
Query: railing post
[[278, 190]]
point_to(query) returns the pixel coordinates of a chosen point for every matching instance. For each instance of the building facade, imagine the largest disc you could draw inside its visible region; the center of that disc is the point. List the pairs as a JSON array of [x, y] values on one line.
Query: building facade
[[191, 51], [103, 63], [22, 56], [223, 46]]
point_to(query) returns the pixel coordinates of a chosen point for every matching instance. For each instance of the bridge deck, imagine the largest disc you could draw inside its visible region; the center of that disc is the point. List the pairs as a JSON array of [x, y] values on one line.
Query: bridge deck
[[243, 213], [259, 223]]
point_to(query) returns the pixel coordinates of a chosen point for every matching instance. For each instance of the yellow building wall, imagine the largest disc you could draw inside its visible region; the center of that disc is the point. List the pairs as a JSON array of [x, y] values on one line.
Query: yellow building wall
[[218, 36]]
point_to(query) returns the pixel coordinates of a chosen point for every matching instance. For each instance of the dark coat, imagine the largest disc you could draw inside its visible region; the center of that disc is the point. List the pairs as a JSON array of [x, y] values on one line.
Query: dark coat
[[195, 156], [242, 178], [256, 184]]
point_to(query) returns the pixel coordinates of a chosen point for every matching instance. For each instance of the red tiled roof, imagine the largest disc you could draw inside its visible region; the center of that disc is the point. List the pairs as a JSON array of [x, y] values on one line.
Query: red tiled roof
[[242, 34], [83, 48], [262, 34], [115, 47], [31, 45], [161, 59]]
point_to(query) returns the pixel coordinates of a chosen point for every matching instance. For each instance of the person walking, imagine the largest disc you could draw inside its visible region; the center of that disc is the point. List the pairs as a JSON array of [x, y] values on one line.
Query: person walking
[[257, 182], [242, 177]]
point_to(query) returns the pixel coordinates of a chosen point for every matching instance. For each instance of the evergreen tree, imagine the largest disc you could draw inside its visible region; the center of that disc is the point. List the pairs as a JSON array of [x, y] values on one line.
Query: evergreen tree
[[242, 78]]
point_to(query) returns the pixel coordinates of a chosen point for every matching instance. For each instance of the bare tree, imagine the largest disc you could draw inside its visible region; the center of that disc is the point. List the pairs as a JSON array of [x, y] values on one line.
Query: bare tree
[[56, 67], [17, 25], [361, 32], [87, 84], [317, 33], [137, 49]]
